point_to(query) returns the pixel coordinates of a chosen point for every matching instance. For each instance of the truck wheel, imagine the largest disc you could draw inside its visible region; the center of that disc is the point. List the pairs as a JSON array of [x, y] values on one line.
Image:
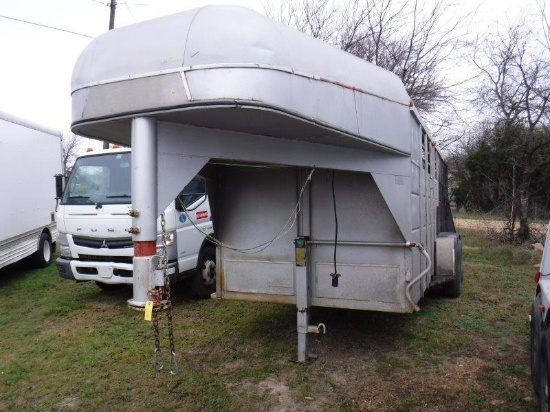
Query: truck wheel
[[535, 335], [203, 283], [43, 256]]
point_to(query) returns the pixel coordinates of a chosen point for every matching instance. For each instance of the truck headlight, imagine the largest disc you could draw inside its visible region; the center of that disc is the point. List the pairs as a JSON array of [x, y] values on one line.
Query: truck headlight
[[171, 249], [64, 249], [169, 237]]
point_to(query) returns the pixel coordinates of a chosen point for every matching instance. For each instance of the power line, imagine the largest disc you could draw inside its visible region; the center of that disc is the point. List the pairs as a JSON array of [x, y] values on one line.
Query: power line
[[46, 26]]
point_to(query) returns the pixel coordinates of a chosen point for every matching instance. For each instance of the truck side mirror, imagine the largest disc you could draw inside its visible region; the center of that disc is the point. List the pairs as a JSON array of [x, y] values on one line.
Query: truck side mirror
[[58, 186]]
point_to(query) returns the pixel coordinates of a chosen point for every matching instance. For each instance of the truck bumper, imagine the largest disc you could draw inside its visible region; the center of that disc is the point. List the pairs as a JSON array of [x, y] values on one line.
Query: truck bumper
[[64, 269], [105, 272]]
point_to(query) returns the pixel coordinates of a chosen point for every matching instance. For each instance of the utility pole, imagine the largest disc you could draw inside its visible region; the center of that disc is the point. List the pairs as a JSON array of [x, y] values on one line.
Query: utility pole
[[112, 16], [112, 6]]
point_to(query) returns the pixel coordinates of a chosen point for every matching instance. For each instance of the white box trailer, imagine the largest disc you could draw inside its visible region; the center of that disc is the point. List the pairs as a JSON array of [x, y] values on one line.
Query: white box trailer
[[328, 188], [30, 157]]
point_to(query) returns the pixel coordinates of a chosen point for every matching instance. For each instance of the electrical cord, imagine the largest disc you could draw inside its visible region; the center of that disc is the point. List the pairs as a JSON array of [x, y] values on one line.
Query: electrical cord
[[335, 275], [335, 222]]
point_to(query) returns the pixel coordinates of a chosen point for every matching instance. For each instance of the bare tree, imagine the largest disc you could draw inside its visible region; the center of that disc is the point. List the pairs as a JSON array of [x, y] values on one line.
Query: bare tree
[[514, 87], [70, 147], [317, 18], [545, 23], [413, 40], [514, 76]]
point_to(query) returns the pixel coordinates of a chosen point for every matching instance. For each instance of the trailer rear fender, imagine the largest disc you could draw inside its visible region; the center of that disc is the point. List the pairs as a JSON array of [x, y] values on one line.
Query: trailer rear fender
[[448, 255], [445, 256]]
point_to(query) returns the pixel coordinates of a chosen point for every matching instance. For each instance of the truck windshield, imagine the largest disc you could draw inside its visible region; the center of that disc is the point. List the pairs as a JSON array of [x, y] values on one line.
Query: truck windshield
[[101, 179]]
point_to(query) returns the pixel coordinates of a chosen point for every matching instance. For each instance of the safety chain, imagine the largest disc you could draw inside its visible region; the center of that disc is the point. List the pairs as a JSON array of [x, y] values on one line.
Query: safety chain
[[164, 265], [164, 305], [157, 359]]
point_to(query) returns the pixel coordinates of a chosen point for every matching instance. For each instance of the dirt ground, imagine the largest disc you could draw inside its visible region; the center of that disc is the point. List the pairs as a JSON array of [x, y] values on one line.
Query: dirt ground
[[371, 372], [484, 224]]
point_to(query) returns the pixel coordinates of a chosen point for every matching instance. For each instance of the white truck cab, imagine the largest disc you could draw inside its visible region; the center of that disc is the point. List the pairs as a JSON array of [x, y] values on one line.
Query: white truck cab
[[93, 224]]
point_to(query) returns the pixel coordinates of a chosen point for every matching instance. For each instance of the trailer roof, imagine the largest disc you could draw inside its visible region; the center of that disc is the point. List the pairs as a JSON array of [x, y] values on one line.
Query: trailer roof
[[27, 123], [194, 67]]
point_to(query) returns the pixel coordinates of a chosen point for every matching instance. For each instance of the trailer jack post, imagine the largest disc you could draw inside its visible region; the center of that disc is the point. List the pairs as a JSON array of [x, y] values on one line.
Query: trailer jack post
[[302, 295], [144, 269], [303, 331], [301, 279]]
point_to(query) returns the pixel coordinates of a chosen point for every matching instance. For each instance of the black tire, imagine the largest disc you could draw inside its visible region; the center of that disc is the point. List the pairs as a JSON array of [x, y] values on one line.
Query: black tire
[[453, 289], [542, 395], [203, 282], [108, 287], [536, 339], [43, 256]]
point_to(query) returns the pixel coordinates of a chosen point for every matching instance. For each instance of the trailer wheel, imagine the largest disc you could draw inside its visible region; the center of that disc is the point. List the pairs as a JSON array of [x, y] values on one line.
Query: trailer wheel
[[453, 289], [43, 256], [203, 283], [536, 348]]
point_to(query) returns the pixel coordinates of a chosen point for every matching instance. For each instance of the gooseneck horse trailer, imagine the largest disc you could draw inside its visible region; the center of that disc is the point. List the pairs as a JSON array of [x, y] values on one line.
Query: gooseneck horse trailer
[[326, 188]]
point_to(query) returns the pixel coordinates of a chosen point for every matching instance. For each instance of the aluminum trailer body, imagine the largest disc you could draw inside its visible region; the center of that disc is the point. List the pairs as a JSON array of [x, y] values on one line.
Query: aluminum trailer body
[[30, 157], [282, 123]]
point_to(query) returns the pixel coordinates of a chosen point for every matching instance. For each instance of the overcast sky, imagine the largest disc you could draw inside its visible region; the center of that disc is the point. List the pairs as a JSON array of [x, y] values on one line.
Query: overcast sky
[[37, 62]]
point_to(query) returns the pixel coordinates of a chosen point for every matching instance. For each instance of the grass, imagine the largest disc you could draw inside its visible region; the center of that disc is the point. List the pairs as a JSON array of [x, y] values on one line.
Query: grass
[[72, 347]]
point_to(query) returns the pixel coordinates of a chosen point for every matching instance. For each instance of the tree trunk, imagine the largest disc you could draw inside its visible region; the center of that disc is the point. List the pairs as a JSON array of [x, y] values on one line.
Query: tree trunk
[[524, 232]]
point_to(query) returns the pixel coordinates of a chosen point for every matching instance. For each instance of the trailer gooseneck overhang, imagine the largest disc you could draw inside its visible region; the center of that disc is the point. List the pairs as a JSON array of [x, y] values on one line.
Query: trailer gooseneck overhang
[[256, 106]]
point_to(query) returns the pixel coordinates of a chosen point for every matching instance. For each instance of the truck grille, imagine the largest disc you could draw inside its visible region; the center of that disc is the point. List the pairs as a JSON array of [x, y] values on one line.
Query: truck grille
[[115, 259], [98, 243]]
